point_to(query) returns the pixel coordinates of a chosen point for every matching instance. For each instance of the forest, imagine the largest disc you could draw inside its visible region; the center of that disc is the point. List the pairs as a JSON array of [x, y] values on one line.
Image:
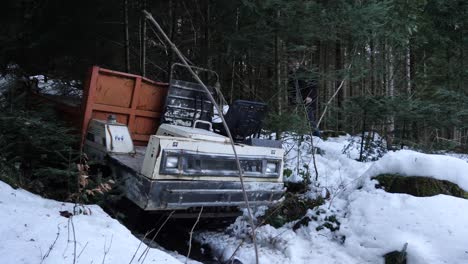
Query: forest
[[397, 67], [371, 165]]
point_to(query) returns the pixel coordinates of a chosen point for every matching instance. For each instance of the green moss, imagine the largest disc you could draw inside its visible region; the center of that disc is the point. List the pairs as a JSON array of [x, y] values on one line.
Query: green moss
[[287, 173], [418, 186]]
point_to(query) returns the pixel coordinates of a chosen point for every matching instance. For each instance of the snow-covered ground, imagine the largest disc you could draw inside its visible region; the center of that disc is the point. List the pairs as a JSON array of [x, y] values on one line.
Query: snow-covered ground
[[33, 231], [372, 221], [57, 86], [45, 85]]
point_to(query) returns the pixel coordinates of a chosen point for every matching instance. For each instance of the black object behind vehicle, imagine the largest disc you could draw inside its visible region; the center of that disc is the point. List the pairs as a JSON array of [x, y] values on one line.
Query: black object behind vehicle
[[244, 118]]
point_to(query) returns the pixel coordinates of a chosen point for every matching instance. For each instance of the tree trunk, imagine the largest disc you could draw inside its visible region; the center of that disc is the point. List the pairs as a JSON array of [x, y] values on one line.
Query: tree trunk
[[278, 73], [172, 25], [206, 33], [408, 67], [340, 96], [390, 93], [126, 37], [143, 41], [233, 71]]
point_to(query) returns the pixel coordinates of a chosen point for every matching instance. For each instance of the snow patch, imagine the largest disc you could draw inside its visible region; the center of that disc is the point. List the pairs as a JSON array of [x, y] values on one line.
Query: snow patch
[[57, 86], [435, 228], [373, 222], [29, 225]]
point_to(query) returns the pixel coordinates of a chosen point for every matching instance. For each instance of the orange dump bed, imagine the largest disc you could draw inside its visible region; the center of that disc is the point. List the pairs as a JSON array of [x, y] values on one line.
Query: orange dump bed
[[136, 101]]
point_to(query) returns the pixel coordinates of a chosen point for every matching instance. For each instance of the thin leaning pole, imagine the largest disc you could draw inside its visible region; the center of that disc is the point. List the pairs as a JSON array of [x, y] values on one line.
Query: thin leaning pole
[[197, 78]]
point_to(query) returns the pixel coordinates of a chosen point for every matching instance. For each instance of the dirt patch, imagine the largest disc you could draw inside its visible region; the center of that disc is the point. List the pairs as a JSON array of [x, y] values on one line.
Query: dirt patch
[[418, 186]]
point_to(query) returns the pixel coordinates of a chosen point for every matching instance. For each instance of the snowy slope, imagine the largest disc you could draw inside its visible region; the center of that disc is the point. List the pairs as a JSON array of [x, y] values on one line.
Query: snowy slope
[[373, 222], [435, 228], [29, 225]]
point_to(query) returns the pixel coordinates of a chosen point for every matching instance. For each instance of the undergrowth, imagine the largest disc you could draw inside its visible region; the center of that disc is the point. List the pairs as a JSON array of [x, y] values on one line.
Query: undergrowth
[[293, 207]]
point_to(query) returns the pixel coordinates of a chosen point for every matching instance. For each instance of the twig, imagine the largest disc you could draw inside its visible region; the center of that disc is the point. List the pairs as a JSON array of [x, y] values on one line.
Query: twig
[[53, 244], [141, 241], [339, 191], [320, 121], [82, 250], [261, 223], [313, 155], [230, 260], [145, 252], [106, 251], [332, 97], [191, 234], [285, 230], [68, 238], [40, 251], [289, 150], [74, 239], [311, 139]]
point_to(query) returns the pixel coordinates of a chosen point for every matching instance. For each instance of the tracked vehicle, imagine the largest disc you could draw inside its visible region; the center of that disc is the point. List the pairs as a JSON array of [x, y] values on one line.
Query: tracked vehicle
[[160, 140]]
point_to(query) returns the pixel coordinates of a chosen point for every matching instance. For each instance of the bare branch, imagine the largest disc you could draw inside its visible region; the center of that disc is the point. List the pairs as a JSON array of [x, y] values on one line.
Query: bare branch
[[141, 241], [106, 251], [74, 239], [52, 245], [333, 97], [145, 252], [83, 249], [191, 234]]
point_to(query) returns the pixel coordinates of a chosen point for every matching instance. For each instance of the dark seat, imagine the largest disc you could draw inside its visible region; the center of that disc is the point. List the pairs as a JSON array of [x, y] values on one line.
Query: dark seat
[[244, 118]]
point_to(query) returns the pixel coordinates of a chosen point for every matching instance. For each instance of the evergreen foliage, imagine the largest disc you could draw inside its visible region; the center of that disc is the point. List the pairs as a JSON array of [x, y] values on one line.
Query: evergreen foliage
[[294, 120], [39, 151]]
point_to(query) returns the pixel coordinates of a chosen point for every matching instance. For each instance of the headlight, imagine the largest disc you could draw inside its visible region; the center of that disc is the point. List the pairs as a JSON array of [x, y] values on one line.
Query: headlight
[[172, 162], [271, 167]]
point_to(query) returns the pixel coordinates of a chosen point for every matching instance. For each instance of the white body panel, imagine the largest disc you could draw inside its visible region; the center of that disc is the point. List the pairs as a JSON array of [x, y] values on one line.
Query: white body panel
[[103, 138], [118, 139], [215, 151], [189, 132], [152, 162]]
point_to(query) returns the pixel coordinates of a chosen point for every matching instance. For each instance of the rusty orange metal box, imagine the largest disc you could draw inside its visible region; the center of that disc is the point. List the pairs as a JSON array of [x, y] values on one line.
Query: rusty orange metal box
[[136, 101]]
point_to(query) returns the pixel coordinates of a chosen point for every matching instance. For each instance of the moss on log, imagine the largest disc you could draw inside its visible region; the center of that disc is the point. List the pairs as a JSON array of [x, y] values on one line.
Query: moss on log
[[418, 185]]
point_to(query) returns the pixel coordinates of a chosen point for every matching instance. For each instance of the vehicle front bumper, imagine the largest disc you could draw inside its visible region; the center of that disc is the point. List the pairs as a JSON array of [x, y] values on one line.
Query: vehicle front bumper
[[156, 195]]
